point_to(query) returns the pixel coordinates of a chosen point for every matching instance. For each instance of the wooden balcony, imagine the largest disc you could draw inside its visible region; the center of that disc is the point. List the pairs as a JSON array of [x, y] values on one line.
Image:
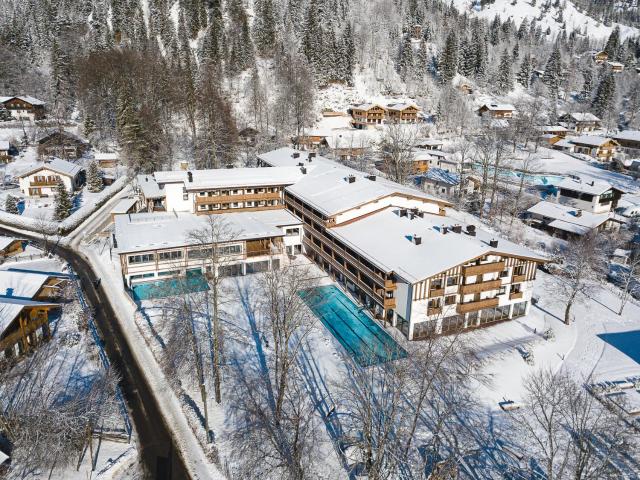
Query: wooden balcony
[[434, 311], [477, 305], [390, 285], [44, 183], [247, 197], [519, 279], [231, 210], [436, 292], [483, 268], [515, 295], [389, 303], [480, 287]]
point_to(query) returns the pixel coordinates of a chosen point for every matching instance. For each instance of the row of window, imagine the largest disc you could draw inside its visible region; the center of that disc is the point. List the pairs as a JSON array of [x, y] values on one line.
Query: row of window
[[197, 253], [239, 191], [248, 204]]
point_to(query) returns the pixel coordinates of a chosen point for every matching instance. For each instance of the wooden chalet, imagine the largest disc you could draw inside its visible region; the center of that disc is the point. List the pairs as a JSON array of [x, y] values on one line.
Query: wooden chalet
[[248, 136], [581, 121], [629, 141], [601, 148], [616, 67], [367, 114], [63, 145], [496, 110], [312, 141], [600, 57], [10, 247], [24, 107], [402, 113]]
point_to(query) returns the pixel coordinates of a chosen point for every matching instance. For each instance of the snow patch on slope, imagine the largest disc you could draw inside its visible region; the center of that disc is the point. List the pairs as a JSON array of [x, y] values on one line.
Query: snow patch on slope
[[574, 18]]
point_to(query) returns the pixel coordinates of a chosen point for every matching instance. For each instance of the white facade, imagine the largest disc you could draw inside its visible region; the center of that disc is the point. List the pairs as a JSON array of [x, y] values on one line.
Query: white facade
[[44, 182]]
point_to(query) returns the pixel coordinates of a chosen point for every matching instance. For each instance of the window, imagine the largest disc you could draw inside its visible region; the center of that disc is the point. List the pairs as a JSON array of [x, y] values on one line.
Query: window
[[144, 258], [451, 281], [185, 195], [450, 300], [174, 255], [257, 267], [436, 284], [519, 309], [230, 250], [144, 275], [200, 253], [517, 288], [519, 270], [504, 273], [249, 190], [293, 231], [434, 303], [502, 290], [169, 273], [230, 270]]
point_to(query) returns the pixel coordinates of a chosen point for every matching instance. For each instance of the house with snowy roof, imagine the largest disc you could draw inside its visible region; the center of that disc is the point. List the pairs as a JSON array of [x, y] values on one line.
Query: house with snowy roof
[[10, 246], [438, 181], [43, 179], [616, 67], [629, 141], [600, 57], [24, 107], [602, 148], [366, 115], [26, 302], [567, 222], [402, 113], [497, 110], [580, 121], [313, 140], [62, 144], [595, 196]]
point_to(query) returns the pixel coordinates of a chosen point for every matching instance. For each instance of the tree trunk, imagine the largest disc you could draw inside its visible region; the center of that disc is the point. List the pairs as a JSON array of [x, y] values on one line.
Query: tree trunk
[[567, 312]]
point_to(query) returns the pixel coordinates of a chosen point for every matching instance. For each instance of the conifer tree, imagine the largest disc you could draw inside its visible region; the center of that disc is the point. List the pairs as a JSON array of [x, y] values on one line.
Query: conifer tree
[[94, 178], [448, 63], [524, 75], [348, 55], [11, 205], [604, 99], [264, 28], [406, 63], [587, 85], [553, 72], [505, 75], [62, 202], [613, 44]]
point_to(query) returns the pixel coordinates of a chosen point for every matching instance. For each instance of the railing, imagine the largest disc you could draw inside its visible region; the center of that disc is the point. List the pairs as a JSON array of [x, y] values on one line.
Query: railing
[[477, 305], [436, 292], [268, 251], [519, 279], [481, 269], [44, 183], [515, 295], [434, 311], [389, 303], [480, 287], [237, 198]]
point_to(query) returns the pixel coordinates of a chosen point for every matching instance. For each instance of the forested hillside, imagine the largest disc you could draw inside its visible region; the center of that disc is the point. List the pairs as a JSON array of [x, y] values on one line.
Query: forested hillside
[[166, 78]]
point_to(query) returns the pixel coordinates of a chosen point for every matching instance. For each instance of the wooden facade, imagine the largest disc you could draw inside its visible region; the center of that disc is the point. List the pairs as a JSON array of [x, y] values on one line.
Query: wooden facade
[[402, 113], [498, 113], [63, 145], [367, 115], [26, 330], [605, 151], [17, 106], [241, 199], [15, 247]]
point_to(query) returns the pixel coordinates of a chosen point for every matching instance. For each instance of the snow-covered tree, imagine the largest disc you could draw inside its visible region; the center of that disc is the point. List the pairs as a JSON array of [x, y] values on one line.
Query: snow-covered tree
[[11, 205], [553, 71], [524, 74], [94, 177], [604, 99], [62, 203], [448, 61], [504, 77]]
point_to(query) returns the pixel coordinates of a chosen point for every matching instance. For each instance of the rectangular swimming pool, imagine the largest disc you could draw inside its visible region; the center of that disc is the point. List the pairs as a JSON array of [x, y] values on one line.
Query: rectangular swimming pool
[[361, 336], [169, 287]]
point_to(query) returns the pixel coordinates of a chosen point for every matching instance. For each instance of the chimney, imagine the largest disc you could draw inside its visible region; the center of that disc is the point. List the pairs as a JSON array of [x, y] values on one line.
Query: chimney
[[300, 164], [471, 230], [311, 156], [296, 155], [351, 178], [457, 228], [371, 177], [592, 183], [303, 170], [146, 179], [190, 177], [578, 213], [403, 212], [417, 239], [493, 243], [445, 230]]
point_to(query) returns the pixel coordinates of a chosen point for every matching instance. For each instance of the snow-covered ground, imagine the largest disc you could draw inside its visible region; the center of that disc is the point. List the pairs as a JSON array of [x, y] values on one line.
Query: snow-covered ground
[[523, 9], [72, 361]]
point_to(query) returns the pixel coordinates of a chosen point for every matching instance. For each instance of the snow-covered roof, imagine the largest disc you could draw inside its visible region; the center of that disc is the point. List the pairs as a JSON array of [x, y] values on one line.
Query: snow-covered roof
[[105, 156], [11, 307], [498, 106], [149, 187], [21, 284], [365, 106], [427, 142], [350, 139], [4, 145], [400, 106], [591, 140], [386, 239], [24, 98], [584, 185], [230, 177], [582, 117], [124, 205], [615, 64], [441, 176], [6, 241], [284, 157], [631, 135], [569, 219], [564, 143], [55, 165], [553, 128], [139, 232]]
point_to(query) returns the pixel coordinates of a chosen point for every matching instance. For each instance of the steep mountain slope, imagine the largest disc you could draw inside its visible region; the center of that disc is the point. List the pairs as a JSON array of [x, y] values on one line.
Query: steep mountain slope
[[553, 18]]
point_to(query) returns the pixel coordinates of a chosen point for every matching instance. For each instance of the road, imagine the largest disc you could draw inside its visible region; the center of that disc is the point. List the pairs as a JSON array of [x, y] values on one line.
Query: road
[[158, 451]]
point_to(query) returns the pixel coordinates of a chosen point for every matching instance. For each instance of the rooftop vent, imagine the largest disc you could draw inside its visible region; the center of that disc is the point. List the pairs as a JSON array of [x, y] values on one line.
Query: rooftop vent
[[471, 230], [403, 212], [300, 164], [592, 183], [296, 155], [578, 213], [445, 230], [493, 243], [417, 239], [351, 178], [457, 228], [371, 177], [303, 170], [190, 176], [312, 155]]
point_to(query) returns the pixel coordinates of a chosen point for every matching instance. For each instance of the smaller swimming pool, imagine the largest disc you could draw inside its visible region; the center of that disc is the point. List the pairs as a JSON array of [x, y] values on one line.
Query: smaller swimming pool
[[360, 335], [169, 287]]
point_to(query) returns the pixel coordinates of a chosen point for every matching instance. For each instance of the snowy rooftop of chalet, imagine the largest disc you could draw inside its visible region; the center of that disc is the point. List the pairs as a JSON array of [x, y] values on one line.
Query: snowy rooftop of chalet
[[231, 177], [149, 187], [6, 241], [566, 217], [632, 135], [105, 156], [11, 307], [21, 284], [584, 185], [283, 157], [139, 232], [57, 165], [590, 140], [498, 107], [386, 239], [4, 144], [583, 117], [24, 98]]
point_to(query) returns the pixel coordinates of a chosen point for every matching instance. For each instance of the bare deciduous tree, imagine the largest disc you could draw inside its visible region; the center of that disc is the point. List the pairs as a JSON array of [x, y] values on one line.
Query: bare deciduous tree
[[397, 151]]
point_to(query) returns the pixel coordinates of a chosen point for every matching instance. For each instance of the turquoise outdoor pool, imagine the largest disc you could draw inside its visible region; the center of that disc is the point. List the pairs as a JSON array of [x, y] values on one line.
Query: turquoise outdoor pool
[[362, 337], [169, 287]]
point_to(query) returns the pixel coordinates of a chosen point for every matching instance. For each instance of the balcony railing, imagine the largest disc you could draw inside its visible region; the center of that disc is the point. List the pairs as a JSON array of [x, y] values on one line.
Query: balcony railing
[[434, 311], [44, 183], [480, 287], [483, 268], [515, 295], [389, 303], [519, 279], [477, 305], [436, 292], [257, 197]]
